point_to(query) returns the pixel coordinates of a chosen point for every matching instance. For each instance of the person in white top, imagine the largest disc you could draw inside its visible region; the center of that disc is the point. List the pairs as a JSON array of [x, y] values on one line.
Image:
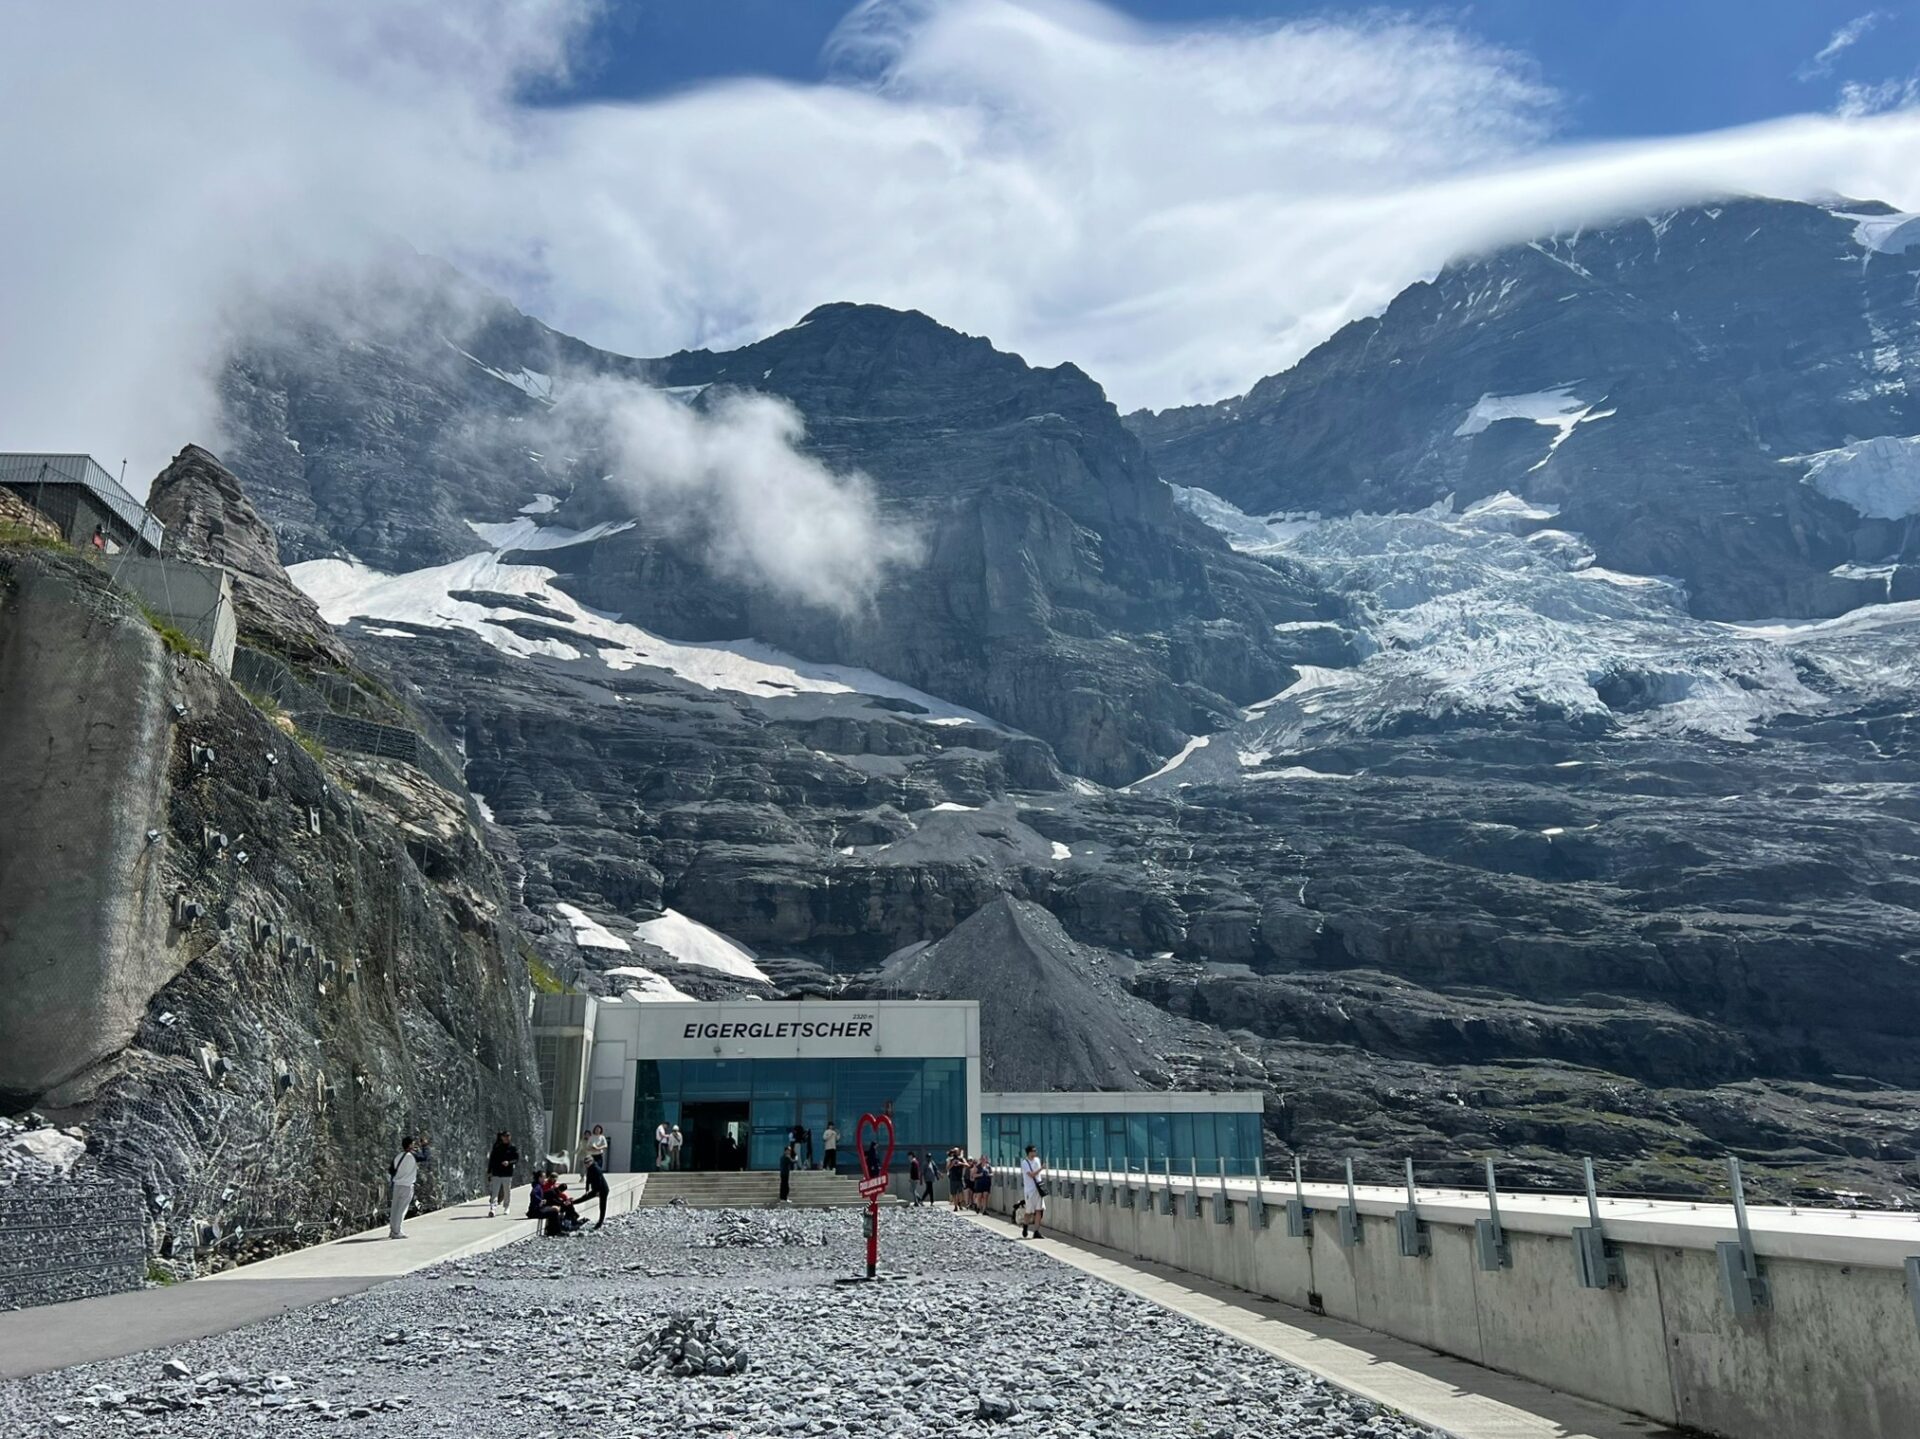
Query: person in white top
[[661, 1136], [830, 1155], [597, 1145], [1033, 1181], [674, 1141], [406, 1169]]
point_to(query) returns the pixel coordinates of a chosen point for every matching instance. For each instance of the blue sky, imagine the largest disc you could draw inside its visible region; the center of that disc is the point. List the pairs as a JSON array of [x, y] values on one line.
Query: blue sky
[[1623, 68]]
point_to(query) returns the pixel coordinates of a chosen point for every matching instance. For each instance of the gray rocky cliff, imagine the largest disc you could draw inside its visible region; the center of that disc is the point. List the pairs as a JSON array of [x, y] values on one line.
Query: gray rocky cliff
[[246, 968]]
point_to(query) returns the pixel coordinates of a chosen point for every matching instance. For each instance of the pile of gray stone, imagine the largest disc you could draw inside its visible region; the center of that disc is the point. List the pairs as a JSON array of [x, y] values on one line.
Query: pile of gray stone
[[971, 1335], [688, 1345], [744, 1229]]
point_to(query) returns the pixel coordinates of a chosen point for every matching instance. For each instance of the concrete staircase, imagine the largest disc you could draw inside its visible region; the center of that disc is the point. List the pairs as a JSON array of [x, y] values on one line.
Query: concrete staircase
[[752, 1189]]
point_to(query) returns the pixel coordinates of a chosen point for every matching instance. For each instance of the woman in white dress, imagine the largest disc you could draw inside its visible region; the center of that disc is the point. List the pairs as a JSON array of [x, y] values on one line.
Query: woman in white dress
[[1033, 1182]]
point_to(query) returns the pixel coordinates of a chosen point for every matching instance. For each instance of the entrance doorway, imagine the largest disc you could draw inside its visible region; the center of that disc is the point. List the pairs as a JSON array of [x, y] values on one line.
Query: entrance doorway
[[716, 1134]]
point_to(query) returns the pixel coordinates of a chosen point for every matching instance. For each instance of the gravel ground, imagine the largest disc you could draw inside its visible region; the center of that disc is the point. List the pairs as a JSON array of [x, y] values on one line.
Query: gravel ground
[[553, 1337]]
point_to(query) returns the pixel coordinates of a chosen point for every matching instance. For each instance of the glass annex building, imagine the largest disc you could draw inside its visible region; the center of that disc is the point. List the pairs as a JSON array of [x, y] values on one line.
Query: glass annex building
[[1187, 1132], [738, 1113], [738, 1076]]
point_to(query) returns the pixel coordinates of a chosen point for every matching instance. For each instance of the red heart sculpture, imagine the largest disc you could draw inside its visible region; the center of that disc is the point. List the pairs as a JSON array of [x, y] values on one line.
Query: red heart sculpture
[[874, 1121]]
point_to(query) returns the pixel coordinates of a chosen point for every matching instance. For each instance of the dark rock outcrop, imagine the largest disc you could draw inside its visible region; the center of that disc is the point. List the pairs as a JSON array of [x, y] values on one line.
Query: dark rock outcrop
[[1706, 349], [210, 519]]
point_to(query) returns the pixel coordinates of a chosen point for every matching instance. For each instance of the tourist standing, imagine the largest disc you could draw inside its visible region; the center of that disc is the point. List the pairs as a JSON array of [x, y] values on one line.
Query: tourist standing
[[597, 1186], [786, 1172], [956, 1178], [913, 1178], [597, 1144], [500, 1161], [830, 1157], [675, 1139], [660, 1139], [982, 1183], [1033, 1183], [405, 1170]]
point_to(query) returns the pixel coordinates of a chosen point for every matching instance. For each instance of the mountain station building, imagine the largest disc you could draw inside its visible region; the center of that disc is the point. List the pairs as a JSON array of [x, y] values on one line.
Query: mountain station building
[[738, 1075]]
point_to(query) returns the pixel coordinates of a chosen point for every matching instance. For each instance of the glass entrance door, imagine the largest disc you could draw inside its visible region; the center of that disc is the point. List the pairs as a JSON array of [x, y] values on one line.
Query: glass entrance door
[[716, 1135], [814, 1114]]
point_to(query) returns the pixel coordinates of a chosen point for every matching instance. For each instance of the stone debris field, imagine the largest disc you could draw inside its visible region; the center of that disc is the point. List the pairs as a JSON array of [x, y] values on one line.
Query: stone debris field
[[718, 1323]]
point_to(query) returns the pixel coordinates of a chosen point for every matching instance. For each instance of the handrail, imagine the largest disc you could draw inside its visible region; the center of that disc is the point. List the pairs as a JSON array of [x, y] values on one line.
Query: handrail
[[1879, 1238]]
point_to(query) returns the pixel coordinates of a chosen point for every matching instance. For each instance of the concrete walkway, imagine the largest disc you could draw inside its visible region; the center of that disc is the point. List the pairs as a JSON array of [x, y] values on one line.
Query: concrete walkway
[[1458, 1398], [56, 1336]]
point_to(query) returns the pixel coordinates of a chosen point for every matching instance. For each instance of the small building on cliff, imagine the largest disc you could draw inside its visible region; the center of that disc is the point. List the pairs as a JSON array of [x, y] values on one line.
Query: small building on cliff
[[80, 497]]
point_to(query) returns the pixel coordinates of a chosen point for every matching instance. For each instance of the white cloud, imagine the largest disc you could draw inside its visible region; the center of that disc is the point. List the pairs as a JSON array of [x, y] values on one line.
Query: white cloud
[[1177, 209], [1859, 98], [1843, 39], [732, 480]]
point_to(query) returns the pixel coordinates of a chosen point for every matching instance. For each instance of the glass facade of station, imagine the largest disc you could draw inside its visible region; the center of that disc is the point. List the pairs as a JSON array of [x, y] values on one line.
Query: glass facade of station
[[1129, 1140], [739, 1113]]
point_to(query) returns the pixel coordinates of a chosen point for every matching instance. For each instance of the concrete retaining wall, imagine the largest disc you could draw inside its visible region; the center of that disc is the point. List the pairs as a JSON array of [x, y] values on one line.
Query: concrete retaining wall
[[69, 1239], [195, 599], [1836, 1354]]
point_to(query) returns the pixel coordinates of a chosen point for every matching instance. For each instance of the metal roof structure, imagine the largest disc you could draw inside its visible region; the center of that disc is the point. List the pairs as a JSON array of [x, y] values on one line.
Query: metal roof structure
[[20, 472]]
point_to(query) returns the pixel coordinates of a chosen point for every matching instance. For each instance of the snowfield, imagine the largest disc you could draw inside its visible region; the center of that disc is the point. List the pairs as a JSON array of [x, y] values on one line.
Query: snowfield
[[565, 629], [691, 942]]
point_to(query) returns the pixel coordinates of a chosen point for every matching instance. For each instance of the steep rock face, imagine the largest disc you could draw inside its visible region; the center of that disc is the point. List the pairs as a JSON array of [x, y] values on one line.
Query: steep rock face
[[1652, 380], [211, 520], [1061, 591], [247, 972]]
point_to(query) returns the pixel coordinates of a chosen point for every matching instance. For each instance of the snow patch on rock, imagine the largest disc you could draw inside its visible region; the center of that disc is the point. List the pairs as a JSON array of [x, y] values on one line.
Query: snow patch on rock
[[692, 942], [649, 987], [589, 933]]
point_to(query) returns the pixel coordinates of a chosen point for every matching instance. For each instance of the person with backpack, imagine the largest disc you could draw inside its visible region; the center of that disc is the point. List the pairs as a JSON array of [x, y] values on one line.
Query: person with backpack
[[500, 1161], [401, 1175], [1033, 1182]]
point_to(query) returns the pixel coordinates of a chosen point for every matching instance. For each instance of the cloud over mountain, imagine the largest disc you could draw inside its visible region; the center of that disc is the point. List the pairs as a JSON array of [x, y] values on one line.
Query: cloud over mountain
[[1177, 209]]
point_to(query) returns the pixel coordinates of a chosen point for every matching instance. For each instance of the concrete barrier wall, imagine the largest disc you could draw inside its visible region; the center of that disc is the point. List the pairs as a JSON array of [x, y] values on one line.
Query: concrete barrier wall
[[1834, 1355]]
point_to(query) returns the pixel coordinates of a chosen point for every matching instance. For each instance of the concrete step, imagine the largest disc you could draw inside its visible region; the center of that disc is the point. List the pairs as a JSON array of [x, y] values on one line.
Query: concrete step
[[748, 1189]]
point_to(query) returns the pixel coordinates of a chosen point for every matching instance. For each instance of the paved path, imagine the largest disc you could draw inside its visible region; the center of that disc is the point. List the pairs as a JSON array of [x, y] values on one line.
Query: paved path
[[54, 1336], [1458, 1398]]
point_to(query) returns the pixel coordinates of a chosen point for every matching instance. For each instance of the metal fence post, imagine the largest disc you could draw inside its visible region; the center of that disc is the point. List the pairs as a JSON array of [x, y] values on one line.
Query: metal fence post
[[1351, 1232], [1599, 1262], [1297, 1208], [1222, 1205], [1742, 1281], [1489, 1239], [1415, 1241]]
